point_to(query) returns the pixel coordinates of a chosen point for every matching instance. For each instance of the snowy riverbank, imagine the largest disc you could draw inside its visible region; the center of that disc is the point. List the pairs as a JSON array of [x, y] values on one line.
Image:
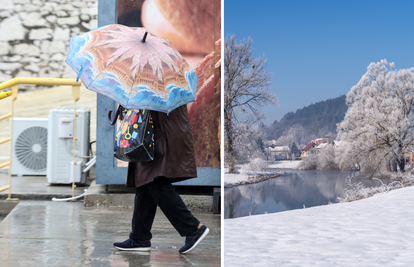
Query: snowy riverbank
[[377, 231], [241, 179], [231, 180]]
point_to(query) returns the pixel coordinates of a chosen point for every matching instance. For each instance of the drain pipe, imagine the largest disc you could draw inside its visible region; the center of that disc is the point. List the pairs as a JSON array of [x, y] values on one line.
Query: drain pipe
[[88, 165], [69, 198]]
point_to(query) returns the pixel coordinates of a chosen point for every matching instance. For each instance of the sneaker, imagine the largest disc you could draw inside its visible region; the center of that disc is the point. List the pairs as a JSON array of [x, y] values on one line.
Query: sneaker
[[131, 244], [191, 241]]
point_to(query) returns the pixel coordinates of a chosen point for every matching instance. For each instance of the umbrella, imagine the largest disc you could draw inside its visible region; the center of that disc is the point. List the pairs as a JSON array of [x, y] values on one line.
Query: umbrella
[[133, 67]]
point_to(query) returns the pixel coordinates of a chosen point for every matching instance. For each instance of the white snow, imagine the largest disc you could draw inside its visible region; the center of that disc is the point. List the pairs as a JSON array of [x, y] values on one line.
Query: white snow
[[285, 164], [377, 231], [234, 178], [279, 149]]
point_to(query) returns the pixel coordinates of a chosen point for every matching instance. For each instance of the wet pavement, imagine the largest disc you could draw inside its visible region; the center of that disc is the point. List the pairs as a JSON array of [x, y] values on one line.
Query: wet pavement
[[46, 233]]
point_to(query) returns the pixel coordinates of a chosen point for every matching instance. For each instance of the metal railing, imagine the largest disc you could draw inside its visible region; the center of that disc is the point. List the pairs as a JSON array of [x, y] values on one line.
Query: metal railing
[[13, 84]]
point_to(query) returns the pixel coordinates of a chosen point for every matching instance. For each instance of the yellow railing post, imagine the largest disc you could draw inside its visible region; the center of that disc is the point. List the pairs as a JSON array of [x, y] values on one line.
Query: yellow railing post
[[13, 97], [4, 94], [13, 84], [75, 97]]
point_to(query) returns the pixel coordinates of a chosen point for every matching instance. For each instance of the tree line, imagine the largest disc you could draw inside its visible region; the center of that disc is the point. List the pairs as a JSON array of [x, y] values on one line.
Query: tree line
[[317, 120]]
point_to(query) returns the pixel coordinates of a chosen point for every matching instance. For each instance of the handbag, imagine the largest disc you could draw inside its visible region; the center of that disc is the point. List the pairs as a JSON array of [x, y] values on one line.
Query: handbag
[[134, 140]]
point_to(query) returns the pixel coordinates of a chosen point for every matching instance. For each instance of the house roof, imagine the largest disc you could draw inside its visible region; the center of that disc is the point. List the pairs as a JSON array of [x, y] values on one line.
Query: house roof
[[338, 143], [308, 146], [322, 145], [270, 142], [279, 148]]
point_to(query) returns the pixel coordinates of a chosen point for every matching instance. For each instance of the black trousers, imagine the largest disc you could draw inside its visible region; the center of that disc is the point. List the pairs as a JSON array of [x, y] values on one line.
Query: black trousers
[[160, 192]]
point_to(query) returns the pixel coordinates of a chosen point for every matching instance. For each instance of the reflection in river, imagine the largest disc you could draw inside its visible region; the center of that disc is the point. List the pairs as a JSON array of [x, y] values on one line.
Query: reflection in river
[[295, 190]]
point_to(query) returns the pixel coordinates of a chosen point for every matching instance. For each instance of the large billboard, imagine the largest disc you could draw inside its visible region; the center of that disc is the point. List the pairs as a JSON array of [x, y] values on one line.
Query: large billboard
[[194, 29]]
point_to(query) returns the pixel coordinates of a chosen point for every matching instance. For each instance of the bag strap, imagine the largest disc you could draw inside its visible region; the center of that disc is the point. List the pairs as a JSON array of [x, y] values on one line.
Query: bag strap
[[118, 111]]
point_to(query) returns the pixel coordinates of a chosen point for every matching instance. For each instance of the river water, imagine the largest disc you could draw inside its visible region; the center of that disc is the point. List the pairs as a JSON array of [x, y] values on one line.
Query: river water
[[295, 190]]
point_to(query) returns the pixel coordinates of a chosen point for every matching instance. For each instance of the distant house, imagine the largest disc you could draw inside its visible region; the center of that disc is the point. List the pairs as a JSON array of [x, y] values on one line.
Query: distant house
[[271, 143], [337, 144], [277, 152], [315, 146], [319, 141], [320, 146], [323, 145], [307, 150], [408, 157]]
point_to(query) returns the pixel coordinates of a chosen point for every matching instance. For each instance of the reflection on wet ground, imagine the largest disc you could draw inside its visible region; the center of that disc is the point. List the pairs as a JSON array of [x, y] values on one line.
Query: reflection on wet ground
[[45, 233], [296, 190]]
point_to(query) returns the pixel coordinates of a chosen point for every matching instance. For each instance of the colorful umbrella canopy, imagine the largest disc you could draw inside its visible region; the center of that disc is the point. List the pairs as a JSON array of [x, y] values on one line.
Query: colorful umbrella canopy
[[133, 67]]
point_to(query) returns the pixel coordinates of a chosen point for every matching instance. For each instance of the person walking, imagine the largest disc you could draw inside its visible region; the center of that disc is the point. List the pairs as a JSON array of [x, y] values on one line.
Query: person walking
[[173, 161]]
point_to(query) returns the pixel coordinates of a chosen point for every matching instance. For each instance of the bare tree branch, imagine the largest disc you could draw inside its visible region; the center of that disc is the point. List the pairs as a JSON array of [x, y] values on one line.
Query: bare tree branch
[[246, 90]]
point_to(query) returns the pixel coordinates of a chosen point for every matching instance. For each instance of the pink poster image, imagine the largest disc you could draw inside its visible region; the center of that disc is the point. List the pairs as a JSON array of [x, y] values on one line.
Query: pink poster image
[[193, 27]]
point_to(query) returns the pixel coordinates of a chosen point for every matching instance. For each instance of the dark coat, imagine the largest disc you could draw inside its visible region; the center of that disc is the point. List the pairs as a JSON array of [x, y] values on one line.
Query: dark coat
[[174, 151]]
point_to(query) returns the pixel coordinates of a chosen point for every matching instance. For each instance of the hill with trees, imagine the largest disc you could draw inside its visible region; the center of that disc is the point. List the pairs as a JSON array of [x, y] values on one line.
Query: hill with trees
[[314, 121]]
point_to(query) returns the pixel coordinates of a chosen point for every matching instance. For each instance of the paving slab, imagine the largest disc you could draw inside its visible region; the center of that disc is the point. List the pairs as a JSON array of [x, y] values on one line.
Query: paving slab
[[36, 187], [46, 233]]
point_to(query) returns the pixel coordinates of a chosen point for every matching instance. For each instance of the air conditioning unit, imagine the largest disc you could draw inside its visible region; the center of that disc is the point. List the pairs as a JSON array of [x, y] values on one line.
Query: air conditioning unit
[[29, 146], [60, 165]]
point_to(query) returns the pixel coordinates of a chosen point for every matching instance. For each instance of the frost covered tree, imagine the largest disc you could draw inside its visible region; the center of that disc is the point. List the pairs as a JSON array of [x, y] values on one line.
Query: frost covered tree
[[254, 165], [246, 90], [326, 159], [378, 126], [309, 163], [246, 146], [343, 157], [260, 144]]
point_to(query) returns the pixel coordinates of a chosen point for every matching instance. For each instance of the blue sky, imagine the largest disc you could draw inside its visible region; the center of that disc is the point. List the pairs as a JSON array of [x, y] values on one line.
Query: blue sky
[[320, 49]]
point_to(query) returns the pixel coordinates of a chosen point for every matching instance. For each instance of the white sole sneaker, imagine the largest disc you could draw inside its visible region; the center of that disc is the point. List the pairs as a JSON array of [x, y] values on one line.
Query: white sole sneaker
[[198, 241], [134, 249]]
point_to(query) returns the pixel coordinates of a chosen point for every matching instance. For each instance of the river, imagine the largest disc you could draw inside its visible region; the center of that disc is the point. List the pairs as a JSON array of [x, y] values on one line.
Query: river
[[295, 190]]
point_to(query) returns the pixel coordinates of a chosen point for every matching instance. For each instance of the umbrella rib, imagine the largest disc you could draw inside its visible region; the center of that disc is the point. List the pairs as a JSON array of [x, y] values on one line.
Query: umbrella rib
[[160, 67], [120, 55], [169, 46], [172, 61], [137, 66], [122, 33], [110, 43], [113, 61]]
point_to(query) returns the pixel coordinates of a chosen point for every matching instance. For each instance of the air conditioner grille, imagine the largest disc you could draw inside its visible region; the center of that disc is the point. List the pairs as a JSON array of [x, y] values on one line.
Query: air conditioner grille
[[31, 148]]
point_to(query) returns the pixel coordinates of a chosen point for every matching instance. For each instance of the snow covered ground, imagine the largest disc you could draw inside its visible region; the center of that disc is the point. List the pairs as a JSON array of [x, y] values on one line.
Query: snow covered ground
[[285, 164], [377, 231]]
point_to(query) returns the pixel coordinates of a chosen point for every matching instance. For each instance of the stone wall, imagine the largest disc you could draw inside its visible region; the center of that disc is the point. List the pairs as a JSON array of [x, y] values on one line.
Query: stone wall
[[35, 35]]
